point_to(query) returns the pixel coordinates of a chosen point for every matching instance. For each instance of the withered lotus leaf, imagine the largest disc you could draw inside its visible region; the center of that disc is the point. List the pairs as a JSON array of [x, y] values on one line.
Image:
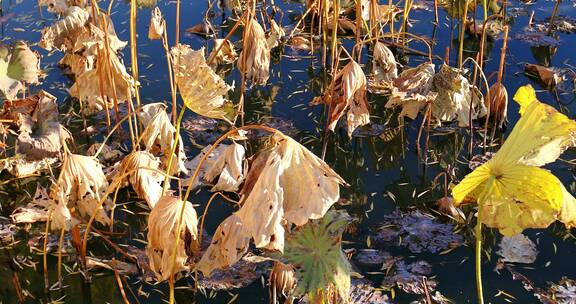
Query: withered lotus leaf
[[254, 61], [157, 25], [293, 186], [63, 33], [229, 243], [162, 233], [158, 136], [384, 64], [412, 90], [41, 134], [201, 88], [348, 95], [229, 167], [82, 184], [146, 179]]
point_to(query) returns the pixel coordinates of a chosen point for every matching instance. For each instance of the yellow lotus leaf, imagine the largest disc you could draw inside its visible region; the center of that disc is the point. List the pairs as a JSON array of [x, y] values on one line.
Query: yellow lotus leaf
[[568, 212], [229, 244], [540, 136], [201, 88], [512, 192], [254, 61], [162, 232]]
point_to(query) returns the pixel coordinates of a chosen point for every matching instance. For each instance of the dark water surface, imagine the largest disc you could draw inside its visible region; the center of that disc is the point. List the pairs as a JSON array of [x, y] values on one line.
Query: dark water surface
[[383, 174]]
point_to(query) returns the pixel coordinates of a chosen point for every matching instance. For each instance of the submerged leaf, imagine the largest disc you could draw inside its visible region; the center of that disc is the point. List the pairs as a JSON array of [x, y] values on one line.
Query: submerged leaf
[[35, 211], [202, 90], [162, 232], [517, 249], [547, 76]]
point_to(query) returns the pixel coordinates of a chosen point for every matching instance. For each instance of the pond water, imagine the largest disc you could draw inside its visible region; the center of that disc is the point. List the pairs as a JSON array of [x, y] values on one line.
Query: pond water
[[384, 172]]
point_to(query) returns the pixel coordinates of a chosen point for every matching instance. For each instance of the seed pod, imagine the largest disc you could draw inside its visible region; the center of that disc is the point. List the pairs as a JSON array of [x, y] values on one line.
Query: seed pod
[[497, 104], [282, 280]]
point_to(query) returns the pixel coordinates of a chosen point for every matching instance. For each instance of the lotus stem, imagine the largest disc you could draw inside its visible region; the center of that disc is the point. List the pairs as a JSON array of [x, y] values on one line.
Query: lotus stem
[[478, 234], [119, 282], [133, 48], [177, 35], [176, 143], [479, 258], [323, 26], [436, 19], [170, 74], [116, 126], [60, 244], [358, 47], [204, 215], [101, 88], [411, 50], [45, 251], [503, 55], [109, 66], [299, 20], [462, 31], [551, 22], [335, 8]]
